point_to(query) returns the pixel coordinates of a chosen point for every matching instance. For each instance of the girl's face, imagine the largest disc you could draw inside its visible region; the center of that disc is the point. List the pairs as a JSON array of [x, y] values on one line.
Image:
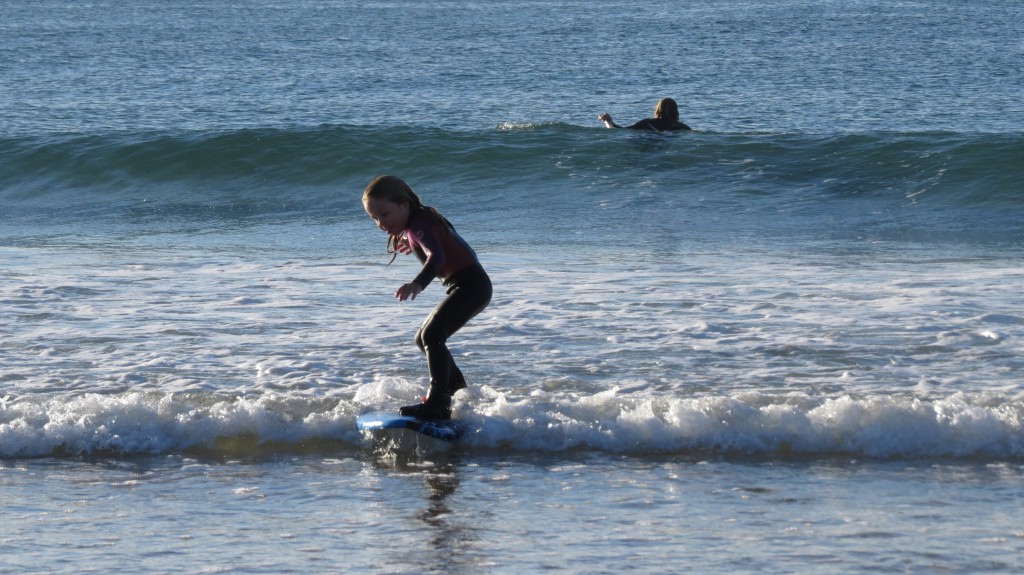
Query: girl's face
[[390, 216]]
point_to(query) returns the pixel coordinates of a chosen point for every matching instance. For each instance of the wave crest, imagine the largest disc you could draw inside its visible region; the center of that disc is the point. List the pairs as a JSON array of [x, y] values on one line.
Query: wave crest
[[749, 424]]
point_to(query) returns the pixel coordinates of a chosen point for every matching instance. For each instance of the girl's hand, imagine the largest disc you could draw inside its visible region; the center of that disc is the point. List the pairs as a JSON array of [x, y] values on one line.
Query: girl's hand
[[408, 291], [403, 247]]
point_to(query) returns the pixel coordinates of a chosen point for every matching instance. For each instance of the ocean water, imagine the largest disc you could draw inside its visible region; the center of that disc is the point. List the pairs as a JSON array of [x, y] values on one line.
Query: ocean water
[[790, 341]]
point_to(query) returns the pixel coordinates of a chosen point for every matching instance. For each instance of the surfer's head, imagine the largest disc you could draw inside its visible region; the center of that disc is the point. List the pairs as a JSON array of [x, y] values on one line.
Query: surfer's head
[[391, 203], [667, 109], [390, 188]]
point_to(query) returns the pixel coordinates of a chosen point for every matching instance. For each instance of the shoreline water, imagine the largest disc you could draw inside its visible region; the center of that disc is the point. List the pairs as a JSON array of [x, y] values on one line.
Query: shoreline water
[[456, 514]]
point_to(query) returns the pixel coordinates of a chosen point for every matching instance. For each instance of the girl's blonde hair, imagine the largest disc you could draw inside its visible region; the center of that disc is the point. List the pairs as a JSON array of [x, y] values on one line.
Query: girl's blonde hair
[[667, 109], [394, 189]]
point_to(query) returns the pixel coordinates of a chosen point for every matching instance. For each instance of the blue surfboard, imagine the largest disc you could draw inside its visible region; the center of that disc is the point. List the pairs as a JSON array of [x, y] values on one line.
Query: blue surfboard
[[375, 421]]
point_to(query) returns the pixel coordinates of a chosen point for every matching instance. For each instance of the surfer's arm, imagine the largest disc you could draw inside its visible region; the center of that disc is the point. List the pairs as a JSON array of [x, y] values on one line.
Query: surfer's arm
[[411, 289], [607, 119], [426, 240]]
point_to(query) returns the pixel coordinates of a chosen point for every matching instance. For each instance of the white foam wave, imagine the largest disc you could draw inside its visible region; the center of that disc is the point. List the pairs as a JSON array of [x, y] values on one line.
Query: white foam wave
[[639, 423]]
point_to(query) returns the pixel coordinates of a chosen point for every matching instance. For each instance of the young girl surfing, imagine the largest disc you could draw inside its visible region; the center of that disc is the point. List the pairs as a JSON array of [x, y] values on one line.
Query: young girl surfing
[[413, 228]]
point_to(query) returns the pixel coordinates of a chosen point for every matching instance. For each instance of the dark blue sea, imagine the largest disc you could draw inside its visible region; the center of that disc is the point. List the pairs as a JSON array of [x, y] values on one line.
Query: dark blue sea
[[789, 341]]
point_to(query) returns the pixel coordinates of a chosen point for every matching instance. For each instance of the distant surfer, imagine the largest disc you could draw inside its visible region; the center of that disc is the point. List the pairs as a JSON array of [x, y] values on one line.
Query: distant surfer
[[666, 119], [414, 228]]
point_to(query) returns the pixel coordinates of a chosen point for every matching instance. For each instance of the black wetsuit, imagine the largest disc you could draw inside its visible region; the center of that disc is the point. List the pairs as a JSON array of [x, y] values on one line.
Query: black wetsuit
[[659, 125], [446, 255]]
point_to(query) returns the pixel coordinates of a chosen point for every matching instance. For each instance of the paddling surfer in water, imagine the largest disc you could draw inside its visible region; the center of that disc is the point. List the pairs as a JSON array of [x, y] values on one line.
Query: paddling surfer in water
[[414, 228], [666, 119]]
